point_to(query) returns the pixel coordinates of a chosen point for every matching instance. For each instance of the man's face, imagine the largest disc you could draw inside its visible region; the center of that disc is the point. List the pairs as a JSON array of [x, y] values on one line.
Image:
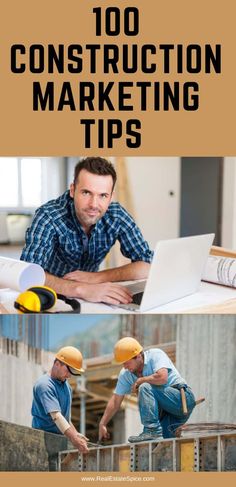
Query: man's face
[[134, 364], [92, 195], [61, 371]]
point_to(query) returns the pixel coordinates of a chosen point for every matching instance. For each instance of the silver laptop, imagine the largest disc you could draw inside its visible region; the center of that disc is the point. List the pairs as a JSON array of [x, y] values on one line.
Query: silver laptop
[[175, 272]]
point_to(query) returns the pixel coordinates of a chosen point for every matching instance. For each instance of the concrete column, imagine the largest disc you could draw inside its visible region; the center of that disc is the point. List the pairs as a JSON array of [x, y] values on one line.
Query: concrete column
[[206, 358]]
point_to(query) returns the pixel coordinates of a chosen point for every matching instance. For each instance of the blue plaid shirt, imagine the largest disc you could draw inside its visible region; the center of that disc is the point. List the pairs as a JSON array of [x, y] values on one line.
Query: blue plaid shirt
[[58, 243]]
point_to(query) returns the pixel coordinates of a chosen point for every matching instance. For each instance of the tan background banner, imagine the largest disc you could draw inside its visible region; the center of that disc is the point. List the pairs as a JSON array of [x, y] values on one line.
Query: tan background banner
[[166, 479], [206, 131]]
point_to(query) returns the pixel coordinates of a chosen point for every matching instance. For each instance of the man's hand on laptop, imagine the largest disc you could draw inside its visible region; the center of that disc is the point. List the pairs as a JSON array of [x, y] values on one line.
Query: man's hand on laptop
[[94, 288], [108, 292]]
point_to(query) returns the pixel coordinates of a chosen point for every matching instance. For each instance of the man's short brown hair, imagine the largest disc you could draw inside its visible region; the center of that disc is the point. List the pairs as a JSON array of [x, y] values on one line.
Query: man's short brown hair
[[96, 165]]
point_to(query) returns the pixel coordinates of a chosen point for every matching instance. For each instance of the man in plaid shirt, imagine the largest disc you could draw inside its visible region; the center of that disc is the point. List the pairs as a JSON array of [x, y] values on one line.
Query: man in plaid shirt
[[71, 235]]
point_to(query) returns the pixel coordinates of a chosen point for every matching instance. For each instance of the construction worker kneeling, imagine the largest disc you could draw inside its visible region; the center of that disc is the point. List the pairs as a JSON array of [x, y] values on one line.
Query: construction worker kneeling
[[165, 400]]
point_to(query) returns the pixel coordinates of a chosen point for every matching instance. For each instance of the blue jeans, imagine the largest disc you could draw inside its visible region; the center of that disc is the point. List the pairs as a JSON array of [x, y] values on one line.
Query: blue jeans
[[161, 409]]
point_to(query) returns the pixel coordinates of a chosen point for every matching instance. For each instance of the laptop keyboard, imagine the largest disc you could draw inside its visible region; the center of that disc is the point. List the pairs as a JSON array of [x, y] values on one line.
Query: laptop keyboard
[[137, 298]]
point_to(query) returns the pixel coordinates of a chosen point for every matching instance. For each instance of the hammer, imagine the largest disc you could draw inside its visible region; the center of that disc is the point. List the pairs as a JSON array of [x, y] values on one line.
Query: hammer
[[183, 400], [184, 403]]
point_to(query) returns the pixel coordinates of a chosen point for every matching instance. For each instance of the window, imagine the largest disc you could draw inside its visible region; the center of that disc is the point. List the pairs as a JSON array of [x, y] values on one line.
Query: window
[[28, 182], [20, 182]]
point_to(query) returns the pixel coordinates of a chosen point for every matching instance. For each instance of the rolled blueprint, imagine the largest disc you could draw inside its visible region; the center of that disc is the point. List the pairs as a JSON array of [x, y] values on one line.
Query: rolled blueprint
[[19, 275], [221, 270]]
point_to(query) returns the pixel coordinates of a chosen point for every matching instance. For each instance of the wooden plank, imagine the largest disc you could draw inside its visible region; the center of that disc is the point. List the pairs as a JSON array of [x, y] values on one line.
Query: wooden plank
[[227, 307], [124, 460], [221, 251], [187, 456]]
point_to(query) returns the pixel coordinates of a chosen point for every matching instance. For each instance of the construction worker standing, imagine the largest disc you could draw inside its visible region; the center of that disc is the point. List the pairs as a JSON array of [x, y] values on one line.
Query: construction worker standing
[[165, 400], [51, 406]]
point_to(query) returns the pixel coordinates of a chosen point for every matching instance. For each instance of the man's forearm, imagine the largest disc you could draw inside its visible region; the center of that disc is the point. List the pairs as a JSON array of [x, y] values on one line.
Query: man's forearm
[[71, 433], [111, 409], [108, 415], [127, 272], [63, 286], [159, 378], [73, 428], [153, 380]]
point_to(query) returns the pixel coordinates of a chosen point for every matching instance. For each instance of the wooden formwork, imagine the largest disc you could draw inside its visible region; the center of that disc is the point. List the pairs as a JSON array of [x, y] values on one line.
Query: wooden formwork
[[208, 452]]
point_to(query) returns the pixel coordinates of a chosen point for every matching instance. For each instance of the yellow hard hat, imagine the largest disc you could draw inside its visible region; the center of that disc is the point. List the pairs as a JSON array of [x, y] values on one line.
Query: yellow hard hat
[[126, 348], [72, 357]]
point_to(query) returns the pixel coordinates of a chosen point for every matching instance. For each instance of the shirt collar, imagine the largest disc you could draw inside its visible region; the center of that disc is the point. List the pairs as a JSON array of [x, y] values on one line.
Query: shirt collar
[[145, 358], [59, 382], [73, 214], [144, 362]]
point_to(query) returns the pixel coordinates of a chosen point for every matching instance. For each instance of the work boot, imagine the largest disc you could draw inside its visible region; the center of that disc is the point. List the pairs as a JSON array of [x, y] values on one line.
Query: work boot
[[146, 435]]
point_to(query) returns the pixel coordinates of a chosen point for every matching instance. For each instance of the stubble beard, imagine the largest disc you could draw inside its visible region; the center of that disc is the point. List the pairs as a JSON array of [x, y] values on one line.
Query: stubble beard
[[87, 220]]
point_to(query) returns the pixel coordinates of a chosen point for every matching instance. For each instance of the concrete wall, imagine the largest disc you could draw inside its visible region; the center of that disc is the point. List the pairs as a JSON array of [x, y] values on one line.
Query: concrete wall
[[206, 358], [27, 449], [133, 424], [19, 371], [126, 423]]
